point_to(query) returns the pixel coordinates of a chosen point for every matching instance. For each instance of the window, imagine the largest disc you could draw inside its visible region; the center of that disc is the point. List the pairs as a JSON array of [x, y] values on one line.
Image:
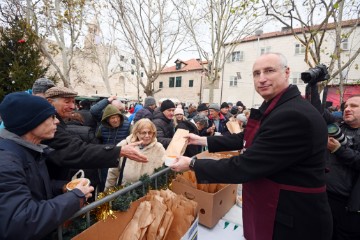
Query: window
[[133, 61], [171, 82], [122, 58], [132, 72], [345, 44], [191, 83], [178, 65], [295, 79], [142, 74], [160, 84], [233, 81], [299, 48], [264, 50], [237, 56], [178, 82]]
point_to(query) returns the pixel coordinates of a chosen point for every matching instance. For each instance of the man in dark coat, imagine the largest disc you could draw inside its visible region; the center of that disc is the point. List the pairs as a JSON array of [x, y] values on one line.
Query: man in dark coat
[[71, 152], [164, 123], [282, 164], [147, 111], [28, 208]]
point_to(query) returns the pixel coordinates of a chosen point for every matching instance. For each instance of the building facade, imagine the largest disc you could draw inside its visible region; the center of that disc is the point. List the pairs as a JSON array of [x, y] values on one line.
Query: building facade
[[183, 81], [238, 81]]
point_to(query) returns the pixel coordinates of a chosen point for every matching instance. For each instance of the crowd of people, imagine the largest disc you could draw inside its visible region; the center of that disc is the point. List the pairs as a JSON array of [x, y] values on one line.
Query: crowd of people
[[298, 183]]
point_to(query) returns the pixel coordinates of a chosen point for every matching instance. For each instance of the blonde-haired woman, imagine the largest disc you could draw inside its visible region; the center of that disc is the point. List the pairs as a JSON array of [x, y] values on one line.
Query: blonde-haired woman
[[130, 171]]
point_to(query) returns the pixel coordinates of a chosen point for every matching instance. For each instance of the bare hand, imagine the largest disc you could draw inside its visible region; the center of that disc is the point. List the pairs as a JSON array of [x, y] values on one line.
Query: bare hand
[[181, 164], [85, 188], [132, 153], [333, 144], [196, 139]]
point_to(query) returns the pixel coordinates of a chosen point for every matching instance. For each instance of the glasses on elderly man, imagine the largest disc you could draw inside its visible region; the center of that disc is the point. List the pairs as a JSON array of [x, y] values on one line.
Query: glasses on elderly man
[[143, 134]]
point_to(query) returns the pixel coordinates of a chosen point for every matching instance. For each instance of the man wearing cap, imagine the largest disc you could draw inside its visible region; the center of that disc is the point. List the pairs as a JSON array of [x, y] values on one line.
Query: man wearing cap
[[147, 111], [29, 209], [72, 152], [217, 121], [224, 110], [203, 109], [164, 123]]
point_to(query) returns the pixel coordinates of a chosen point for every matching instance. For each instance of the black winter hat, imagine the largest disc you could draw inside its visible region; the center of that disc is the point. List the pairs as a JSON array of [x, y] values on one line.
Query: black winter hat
[[224, 105], [234, 110], [202, 107], [23, 112], [239, 103], [166, 105]]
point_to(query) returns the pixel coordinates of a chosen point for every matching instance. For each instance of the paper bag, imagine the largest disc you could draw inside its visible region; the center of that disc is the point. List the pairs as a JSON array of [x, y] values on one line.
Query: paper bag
[[233, 126], [178, 143]]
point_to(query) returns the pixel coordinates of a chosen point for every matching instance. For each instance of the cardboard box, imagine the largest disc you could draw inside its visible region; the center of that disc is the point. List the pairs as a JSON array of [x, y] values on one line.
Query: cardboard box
[[111, 229], [212, 206]]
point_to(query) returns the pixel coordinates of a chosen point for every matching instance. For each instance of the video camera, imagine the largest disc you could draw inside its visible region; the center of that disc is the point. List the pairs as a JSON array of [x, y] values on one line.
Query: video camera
[[314, 75]]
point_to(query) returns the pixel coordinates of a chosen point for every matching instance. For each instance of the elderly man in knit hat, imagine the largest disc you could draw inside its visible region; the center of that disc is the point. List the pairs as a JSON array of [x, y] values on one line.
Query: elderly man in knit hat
[[29, 209], [147, 111], [217, 121], [164, 123], [225, 110], [38, 89], [203, 109], [72, 152], [41, 85]]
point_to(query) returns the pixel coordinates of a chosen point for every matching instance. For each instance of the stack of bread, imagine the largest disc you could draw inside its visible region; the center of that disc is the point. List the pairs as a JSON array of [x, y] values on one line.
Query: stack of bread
[[162, 215]]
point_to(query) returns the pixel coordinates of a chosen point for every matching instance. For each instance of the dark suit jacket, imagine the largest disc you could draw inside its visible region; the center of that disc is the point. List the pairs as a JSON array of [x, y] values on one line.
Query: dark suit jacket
[[289, 148]]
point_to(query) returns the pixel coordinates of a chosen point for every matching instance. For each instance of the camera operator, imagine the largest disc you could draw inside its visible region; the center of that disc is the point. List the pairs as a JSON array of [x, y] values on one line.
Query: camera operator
[[343, 165]]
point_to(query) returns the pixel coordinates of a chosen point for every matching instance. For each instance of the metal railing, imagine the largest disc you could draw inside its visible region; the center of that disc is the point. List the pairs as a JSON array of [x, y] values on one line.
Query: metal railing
[[86, 210]]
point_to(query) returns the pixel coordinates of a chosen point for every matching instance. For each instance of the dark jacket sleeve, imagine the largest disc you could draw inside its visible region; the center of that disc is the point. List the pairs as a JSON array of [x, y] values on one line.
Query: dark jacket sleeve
[[97, 109], [225, 143], [349, 157], [75, 153], [22, 216], [161, 137], [274, 149]]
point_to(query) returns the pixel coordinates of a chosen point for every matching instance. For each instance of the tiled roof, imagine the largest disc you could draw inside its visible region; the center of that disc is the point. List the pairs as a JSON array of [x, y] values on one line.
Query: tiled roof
[[189, 65], [286, 32]]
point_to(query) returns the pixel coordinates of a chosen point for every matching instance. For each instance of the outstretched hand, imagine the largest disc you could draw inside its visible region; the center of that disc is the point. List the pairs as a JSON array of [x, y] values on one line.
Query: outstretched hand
[[181, 164], [196, 139], [132, 153]]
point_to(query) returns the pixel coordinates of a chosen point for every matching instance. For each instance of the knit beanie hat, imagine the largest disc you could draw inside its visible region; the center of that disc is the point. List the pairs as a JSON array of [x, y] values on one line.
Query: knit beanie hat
[[41, 85], [22, 112], [202, 107], [215, 106], [242, 118], [166, 104], [239, 103], [234, 110], [224, 105], [178, 111], [149, 101]]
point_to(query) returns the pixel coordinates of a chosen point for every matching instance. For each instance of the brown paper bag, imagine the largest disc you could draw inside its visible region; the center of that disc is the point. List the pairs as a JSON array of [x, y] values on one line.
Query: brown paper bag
[[178, 143], [233, 126]]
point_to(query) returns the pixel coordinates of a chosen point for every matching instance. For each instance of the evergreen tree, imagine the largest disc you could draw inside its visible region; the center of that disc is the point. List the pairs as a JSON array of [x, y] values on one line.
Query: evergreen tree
[[20, 59]]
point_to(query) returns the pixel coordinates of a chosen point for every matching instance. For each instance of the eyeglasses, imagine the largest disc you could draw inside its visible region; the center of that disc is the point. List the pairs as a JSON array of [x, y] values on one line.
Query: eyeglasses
[[143, 134]]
